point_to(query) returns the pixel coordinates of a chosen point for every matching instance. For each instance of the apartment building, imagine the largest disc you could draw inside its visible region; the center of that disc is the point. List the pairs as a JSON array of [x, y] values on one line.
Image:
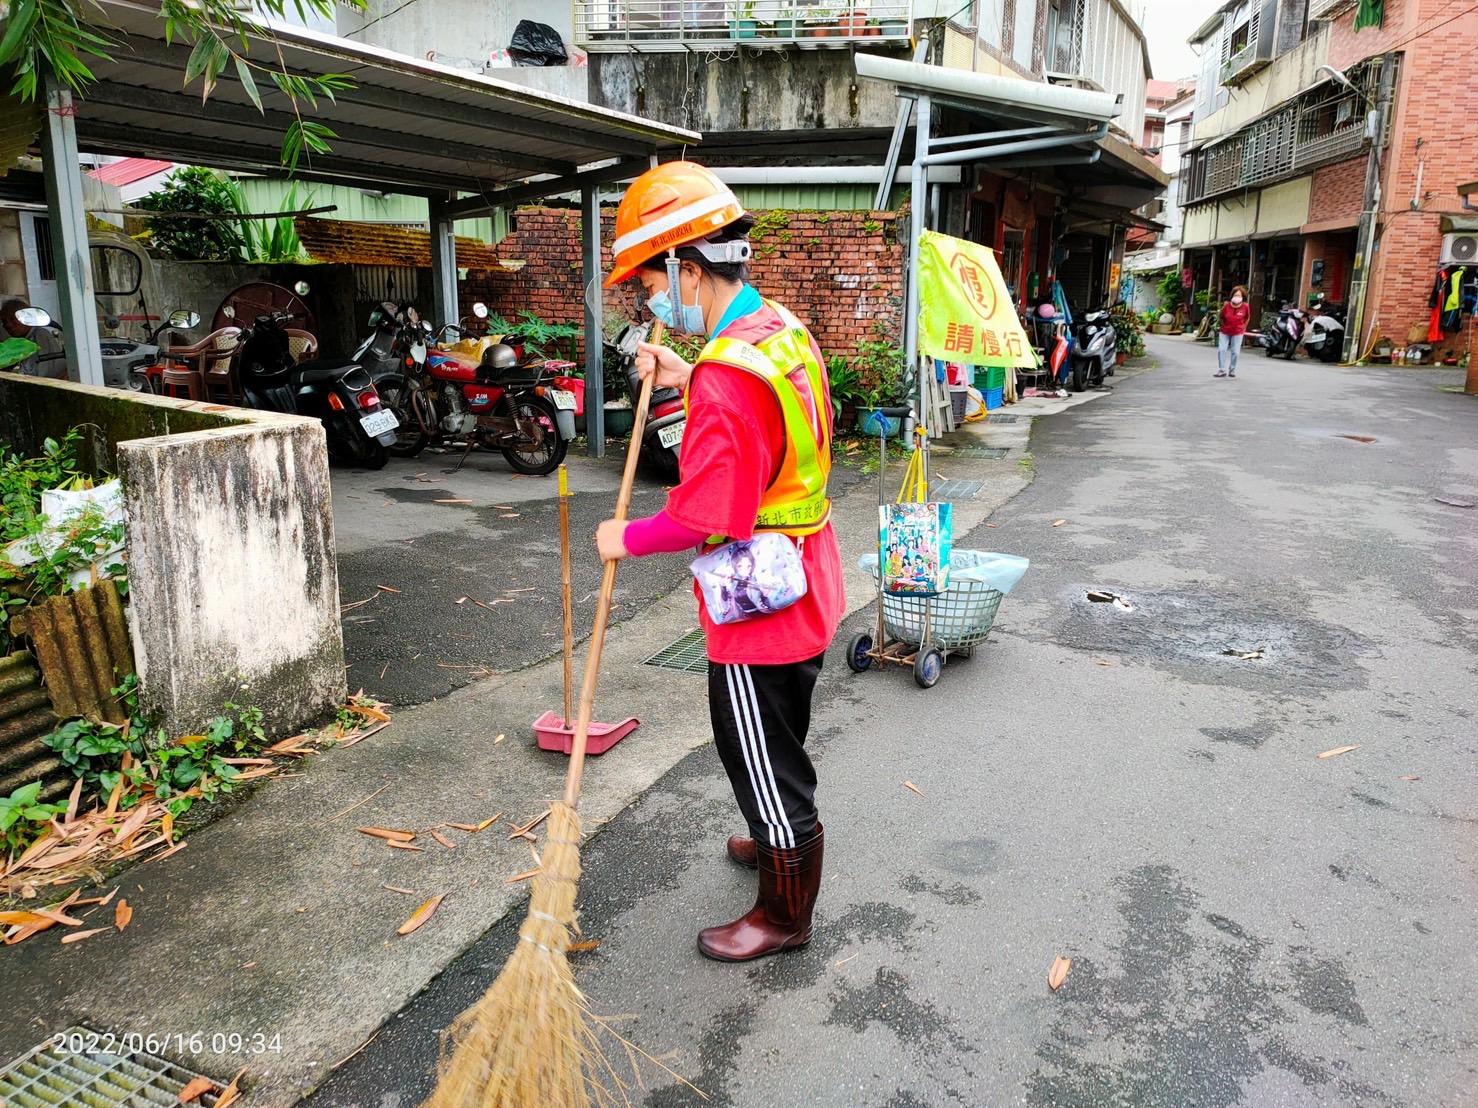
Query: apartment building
[[1326, 158]]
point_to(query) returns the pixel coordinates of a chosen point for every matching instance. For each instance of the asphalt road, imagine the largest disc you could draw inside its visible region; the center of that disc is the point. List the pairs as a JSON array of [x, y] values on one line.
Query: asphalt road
[[1249, 923]]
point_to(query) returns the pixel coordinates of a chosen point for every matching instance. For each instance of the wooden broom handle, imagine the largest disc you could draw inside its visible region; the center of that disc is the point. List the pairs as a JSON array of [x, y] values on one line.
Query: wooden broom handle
[[576, 773], [566, 589]]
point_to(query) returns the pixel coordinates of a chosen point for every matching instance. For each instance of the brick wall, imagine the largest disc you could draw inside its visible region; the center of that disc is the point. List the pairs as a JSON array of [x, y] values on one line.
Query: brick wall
[[1434, 133], [840, 272], [1338, 190]]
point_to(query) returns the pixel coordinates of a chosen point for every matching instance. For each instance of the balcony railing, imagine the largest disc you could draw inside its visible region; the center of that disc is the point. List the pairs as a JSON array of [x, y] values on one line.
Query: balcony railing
[[615, 25]]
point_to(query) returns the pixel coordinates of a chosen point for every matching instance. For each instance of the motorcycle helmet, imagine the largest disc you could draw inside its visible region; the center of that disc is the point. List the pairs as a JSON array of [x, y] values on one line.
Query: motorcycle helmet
[[498, 359]]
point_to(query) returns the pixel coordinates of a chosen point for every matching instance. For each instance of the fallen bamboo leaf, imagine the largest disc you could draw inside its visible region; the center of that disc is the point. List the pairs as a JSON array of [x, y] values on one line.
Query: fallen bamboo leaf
[[421, 915], [398, 889], [196, 1089], [523, 830], [391, 833], [179, 846], [583, 945], [78, 936], [370, 711], [232, 1092], [387, 588], [358, 803], [405, 846], [462, 600], [529, 588], [915, 788], [353, 1052], [73, 799], [166, 827], [849, 957], [28, 892], [1102, 662], [508, 515], [1058, 973], [524, 876], [1410, 777], [22, 933], [500, 738], [254, 774], [1339, 750], [443, 840], [58, 915], [24, 919], [453, 501], [1058, 522], [247, 761], [122, 915], [485, 824]]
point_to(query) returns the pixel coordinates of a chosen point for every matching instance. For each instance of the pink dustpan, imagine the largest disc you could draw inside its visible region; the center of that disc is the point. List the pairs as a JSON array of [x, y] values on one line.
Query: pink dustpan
[[555, 733]]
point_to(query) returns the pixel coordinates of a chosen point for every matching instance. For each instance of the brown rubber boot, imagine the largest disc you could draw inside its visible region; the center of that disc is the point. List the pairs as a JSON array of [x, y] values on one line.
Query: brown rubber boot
[[741, 850], [780, 920]]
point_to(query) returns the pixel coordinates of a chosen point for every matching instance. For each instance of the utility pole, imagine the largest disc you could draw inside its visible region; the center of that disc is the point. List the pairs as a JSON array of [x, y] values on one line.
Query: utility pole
[[1365, 243]]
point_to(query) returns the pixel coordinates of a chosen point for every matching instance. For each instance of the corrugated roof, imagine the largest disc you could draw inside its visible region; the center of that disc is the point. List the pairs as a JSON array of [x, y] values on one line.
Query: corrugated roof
[[126, 171], [340, 242]]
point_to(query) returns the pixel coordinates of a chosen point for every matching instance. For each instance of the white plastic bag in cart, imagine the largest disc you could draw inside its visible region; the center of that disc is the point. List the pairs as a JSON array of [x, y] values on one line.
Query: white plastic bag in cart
[[955, 617]]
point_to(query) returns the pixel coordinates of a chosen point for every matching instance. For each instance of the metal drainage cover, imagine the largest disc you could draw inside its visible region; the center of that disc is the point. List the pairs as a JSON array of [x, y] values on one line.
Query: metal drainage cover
[[980, 452], [954, 489], [1002, 418], [688, 654], [82, 1066]]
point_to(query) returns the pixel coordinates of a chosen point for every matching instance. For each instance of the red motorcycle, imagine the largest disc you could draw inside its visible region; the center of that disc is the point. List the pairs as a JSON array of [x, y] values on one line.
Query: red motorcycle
[[478, 391]]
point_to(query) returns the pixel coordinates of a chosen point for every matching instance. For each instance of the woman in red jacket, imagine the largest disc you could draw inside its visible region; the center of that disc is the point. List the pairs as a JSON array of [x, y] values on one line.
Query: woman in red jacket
[[1235, 314], [756, 456]]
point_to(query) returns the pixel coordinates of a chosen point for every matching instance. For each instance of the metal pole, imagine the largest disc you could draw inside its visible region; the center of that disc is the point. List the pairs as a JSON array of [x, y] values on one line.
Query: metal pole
[[444, 306], [895, 144], [917, 198], [1365, 246], [68, 215], [595, 382]]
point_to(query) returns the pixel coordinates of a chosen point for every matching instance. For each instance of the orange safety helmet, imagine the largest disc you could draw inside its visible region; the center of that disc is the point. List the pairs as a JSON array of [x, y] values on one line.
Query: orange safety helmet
[[667, 206]]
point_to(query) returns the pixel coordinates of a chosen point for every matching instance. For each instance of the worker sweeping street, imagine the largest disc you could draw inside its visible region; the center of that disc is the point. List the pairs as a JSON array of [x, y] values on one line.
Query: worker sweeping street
[[752, 497]]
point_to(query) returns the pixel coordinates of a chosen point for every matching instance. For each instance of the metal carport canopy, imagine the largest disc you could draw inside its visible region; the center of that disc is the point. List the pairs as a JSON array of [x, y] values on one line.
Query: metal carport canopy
[[407, 126], [410, 125]]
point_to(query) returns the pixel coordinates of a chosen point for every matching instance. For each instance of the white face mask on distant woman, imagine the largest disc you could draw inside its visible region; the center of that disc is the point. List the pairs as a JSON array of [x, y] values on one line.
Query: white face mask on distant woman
[[1236, 300]]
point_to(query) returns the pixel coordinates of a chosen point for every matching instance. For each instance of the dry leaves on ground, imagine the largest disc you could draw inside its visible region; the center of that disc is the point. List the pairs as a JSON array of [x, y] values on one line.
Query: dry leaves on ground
[[421, 915], [1058, 973], [122, 915], [1058, 522], [1338, 750], [196, 1089], [915, 788]]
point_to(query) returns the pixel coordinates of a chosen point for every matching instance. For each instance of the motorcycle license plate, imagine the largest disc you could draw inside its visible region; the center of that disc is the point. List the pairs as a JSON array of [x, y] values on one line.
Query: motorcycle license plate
[[563, 399], [379, 423], [671, 436]]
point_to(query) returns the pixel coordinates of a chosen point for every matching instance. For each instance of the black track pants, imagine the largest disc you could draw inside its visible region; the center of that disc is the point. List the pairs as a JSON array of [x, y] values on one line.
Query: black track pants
[[760, 718]]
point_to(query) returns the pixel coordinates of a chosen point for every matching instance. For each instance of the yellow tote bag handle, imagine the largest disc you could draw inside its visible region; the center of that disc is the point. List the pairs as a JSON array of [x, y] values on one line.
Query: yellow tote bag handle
[[915, 489]]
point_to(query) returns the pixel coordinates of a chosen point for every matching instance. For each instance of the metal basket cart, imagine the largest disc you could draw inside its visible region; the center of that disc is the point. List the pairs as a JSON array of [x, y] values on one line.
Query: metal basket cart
[[920, 632]]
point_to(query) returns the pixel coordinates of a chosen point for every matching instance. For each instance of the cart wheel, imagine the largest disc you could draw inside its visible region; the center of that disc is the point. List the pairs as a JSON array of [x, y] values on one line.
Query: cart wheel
[[858, 657], [927, 665]]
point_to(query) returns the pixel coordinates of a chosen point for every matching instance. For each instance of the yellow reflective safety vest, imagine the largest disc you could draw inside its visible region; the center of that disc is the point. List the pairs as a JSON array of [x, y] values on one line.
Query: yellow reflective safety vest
[[795, 501]]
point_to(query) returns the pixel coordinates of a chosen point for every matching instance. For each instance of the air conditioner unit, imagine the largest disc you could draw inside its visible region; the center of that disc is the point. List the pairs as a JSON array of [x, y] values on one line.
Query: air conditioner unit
[[1460, 249]]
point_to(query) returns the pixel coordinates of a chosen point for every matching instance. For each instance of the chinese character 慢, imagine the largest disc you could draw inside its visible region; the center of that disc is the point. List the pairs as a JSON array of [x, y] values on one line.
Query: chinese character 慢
[[959, 338], [970, 277], [990, 345]]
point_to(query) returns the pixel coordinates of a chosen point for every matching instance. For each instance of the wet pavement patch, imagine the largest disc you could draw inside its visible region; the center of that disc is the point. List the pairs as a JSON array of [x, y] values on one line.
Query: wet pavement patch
[[1189, 633]]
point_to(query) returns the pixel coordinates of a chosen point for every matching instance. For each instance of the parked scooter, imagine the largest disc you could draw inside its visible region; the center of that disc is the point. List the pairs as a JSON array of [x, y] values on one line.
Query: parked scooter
[[666, 417], [1093, 350], [127, 364], [20, 320], [478, 391], [1284, 334], [1325, 337], [359, 428]]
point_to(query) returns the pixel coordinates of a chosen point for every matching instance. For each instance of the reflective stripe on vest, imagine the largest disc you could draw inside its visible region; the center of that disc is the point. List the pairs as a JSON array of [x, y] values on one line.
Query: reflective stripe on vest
[[795, 501]]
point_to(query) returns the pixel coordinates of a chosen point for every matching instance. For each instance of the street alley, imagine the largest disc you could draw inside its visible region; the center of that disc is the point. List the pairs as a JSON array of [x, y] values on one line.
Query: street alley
[[1140, 791]]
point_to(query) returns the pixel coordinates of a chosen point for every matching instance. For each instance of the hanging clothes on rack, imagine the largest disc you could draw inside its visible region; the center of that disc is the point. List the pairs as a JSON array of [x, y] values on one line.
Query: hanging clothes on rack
[[1446, 302]]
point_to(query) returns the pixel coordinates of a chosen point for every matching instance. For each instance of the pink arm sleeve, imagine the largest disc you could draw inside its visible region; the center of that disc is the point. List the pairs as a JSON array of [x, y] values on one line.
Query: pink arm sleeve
[[660, 534]]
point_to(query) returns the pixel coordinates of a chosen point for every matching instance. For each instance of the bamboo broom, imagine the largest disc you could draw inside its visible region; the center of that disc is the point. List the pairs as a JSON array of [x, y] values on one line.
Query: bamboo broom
[[528, 1043]]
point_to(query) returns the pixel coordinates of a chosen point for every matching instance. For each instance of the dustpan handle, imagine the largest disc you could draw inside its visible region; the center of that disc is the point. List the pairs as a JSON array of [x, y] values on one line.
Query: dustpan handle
[[576, 772]]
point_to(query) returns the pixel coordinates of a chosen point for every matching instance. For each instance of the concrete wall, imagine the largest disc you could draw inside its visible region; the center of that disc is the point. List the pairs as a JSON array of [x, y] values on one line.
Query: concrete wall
[[1280, 208], [465, 34], [768, 91], [230, 546]]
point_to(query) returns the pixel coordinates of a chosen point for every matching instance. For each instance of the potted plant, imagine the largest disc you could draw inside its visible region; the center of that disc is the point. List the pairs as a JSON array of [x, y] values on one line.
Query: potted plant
[[744, 24], [893, 27], [1128, 334], [880, 368], [784, 24], [845, 383], [822, 23]]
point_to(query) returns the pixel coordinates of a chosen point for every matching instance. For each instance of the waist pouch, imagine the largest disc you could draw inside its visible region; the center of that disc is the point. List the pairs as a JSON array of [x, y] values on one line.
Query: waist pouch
[[749, 578]]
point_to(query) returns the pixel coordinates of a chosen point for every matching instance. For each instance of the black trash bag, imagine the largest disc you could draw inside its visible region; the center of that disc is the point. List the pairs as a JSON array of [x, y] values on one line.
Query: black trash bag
[[537, 44]]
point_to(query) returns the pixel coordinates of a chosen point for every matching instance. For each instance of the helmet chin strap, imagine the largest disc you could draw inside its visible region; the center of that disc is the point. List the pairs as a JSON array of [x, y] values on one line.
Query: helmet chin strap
[[675, 294]]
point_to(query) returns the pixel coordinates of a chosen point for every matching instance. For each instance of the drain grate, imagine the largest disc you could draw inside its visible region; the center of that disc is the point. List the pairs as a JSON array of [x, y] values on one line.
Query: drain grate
[[79, 1070], [1002, 419], [954, 489], [980, 452], [687, 655]]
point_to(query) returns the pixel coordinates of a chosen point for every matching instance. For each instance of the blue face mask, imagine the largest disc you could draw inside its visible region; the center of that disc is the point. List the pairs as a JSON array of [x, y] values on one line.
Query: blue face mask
[[692, 315]]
